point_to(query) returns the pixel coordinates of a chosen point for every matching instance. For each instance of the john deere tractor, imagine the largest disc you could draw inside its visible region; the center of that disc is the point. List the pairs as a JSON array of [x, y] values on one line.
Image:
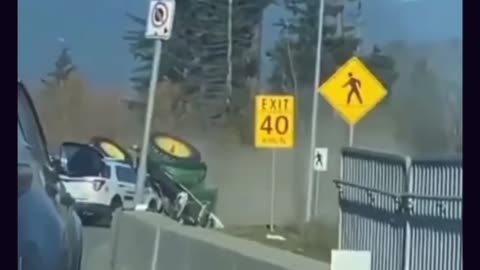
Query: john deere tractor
[[181, 161], [172, 158]]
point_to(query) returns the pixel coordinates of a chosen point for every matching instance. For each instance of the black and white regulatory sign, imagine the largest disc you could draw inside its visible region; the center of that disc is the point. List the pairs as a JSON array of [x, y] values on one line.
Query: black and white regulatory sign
[[160, 19], [320, 159]]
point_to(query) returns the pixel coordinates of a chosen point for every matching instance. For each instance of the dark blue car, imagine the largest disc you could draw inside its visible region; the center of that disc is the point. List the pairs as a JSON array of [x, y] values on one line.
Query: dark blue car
[[49, 231]]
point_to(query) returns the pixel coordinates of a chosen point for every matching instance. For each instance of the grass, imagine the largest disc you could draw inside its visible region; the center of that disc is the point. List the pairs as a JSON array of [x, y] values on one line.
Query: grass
[[294, 241]]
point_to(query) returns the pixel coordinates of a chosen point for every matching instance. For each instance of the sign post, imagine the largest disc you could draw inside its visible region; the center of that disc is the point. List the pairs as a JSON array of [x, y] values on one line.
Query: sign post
[[274, 129], [351, 133], [353, 91], [313, 131], [272, 192], [159, 27]]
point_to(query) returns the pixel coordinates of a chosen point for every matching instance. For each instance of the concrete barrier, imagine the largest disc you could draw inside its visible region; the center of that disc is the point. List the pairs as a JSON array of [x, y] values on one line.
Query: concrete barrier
[[147, 241]]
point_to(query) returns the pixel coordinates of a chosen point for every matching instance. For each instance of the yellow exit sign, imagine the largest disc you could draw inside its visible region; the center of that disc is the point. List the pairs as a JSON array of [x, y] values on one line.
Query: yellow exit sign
[[274, 121]]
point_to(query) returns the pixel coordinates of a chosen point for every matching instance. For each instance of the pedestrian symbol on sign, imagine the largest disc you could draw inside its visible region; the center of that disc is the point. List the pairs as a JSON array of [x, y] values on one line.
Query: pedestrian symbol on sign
[[318, 159], [355, 85], [353, 91]]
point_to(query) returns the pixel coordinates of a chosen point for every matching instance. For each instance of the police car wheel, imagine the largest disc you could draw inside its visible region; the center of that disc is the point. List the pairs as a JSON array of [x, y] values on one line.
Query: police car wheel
[[116, 204]]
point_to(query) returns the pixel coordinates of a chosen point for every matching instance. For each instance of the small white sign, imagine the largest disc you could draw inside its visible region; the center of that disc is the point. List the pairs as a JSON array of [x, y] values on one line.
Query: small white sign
[[320, 159], [160, 19], [351, 260]]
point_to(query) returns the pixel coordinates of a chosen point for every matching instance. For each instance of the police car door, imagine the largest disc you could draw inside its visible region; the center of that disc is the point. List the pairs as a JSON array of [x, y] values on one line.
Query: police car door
[[126, 178]]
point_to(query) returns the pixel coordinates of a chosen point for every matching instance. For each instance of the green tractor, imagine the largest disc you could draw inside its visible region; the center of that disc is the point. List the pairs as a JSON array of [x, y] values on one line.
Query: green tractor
[[172, 164], [181, 161]]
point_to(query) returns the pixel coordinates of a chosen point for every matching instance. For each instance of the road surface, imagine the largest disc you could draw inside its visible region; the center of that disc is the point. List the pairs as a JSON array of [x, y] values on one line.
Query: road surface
[[96, 248]]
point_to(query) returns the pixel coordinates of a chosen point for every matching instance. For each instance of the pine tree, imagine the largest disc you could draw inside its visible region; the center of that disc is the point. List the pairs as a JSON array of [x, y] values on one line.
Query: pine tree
[[60, 98], [340, 42], [197, 54], [63, 69]]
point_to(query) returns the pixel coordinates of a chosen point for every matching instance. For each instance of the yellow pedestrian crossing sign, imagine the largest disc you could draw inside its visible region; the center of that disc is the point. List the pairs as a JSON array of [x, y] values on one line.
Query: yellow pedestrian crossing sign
[[353, 91]]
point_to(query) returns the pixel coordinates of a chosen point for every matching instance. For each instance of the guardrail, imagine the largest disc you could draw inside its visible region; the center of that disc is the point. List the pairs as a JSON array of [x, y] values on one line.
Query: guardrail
[[398, 196], [148, 241]]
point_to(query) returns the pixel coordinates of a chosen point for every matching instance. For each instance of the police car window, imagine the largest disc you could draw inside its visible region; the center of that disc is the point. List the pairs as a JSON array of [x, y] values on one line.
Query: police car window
[[68, 151], [30, 126], [125, 174], [105, 173]]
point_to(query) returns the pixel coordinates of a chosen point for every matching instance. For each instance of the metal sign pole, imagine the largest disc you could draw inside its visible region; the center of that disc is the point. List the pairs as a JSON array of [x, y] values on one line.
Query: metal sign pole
[[351, 132], [272, 194], [142, 167], [317, 195], [311, 157]]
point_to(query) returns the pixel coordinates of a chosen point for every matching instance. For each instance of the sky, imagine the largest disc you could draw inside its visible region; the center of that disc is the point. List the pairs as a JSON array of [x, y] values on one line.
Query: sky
[[93, 30]]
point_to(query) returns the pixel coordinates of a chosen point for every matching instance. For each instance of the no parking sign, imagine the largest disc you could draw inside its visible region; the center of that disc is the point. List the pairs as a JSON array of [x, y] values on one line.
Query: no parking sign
[[160, 19]]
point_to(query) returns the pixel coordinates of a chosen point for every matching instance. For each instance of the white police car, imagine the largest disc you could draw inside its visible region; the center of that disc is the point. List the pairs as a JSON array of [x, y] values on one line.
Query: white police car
[[98, 196]]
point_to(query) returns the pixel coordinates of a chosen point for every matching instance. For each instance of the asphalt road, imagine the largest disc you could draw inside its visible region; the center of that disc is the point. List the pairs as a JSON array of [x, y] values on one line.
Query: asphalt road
[[96, 248]]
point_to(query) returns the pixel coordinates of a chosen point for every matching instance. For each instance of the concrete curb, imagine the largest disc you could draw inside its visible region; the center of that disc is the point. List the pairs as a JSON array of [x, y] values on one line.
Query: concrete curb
[[148, 241]]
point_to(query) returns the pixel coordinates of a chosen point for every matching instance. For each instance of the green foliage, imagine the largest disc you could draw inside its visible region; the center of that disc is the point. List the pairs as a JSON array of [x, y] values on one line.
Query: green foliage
[[300, 31], [196, 55], [142, 51], [383, 67]]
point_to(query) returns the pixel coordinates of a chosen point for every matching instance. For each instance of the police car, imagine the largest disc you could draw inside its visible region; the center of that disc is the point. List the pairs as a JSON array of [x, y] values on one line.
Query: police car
[[114, 187]]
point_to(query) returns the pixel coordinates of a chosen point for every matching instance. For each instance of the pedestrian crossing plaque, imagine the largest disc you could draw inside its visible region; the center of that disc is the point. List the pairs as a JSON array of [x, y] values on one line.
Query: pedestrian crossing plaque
[[320, 159], [353, 91]]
